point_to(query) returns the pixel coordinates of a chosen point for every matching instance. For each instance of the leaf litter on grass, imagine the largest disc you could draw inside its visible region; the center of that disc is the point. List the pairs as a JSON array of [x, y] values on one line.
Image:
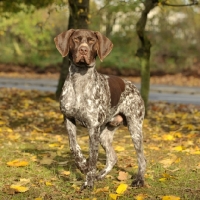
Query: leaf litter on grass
[[34, 143]]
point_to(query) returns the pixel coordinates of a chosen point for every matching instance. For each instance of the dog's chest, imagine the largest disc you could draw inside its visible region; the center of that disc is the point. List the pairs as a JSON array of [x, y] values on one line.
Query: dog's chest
[[86, 100]]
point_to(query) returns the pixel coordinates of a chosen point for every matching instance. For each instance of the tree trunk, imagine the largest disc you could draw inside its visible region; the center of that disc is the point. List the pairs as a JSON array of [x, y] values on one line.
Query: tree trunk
[[144, 50], [78, 18]]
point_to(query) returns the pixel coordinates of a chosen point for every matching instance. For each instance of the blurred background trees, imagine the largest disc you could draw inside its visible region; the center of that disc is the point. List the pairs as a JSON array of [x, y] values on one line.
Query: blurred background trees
[[26, 34]]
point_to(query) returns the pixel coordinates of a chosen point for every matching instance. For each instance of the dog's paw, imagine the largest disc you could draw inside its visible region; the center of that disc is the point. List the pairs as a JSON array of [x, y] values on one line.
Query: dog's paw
[[87, 185], [90, 178], [138, 183]]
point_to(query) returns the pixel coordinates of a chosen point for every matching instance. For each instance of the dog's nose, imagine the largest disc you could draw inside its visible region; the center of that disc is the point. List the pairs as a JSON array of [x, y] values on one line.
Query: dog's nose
[[83, 50]]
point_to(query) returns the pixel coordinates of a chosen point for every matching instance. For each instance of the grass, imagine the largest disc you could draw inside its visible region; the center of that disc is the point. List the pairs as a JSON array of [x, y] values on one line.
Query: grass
[[31, 130]]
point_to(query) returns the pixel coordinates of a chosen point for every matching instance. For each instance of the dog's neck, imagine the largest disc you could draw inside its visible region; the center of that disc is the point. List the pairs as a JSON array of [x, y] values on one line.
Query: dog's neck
[[81, 71], [82, 77]]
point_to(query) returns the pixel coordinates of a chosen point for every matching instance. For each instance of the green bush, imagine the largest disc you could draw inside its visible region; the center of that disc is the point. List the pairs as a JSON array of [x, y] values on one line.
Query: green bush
[[28, 38]]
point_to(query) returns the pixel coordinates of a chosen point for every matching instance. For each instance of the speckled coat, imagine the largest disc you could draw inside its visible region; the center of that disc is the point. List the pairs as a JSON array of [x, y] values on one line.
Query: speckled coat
[[101, 103]]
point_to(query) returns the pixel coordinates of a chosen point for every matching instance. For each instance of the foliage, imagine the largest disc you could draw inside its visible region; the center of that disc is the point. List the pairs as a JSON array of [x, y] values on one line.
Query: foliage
[[36, 162], [28, 38], [10, 6], [173, 32]]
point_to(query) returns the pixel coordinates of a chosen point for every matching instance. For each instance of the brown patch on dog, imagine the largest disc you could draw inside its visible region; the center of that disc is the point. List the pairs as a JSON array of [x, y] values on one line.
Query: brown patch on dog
[[116, 86]]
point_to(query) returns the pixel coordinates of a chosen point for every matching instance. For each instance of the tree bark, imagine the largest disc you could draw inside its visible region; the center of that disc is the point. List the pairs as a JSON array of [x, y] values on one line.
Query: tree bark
[[78, 18], [144, 50]]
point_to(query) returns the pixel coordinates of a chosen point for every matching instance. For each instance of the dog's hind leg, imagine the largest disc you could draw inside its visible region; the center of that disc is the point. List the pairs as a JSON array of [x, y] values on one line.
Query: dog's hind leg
[[106, 139], [74, 147], [135, 128]]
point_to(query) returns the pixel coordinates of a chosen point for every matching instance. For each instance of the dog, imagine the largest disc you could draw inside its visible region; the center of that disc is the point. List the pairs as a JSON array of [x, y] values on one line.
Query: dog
[[101, 103]]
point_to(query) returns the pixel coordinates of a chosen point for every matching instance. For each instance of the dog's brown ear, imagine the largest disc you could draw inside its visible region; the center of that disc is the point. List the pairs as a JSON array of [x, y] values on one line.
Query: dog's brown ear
[[62, 42], [104, 45]]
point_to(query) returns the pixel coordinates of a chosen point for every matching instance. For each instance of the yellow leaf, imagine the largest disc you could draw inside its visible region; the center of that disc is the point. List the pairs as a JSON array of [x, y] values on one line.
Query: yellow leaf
[[38, 198], [178, 148], [23, 181], [105, 189], [168, 137], [17, 163], [195, 152], [121, 188], [165, 175], [170, 198], [54, 145], [119, 148], [75, 187], [66, 173], [113, 196], [162, 179], [2, 122], [140, 196], [19, 188], [48, 183]]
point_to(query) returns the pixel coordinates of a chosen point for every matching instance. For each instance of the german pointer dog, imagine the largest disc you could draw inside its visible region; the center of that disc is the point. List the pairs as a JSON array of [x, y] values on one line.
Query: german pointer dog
[[101, 103]]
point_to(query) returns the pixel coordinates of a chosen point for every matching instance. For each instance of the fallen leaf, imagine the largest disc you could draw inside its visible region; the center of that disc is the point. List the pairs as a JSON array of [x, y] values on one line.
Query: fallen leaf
[[105, 189], [121, 188], [113, 196], [140, 196], [195, 152], [66, 173], [170, 198], [47, 183], [23, 181], [178, 148], [168, 137], [17, 163], [122, 176], [53, 145], [19, 188], [162, 179], [119, 148], [166, 176], [166, 162]]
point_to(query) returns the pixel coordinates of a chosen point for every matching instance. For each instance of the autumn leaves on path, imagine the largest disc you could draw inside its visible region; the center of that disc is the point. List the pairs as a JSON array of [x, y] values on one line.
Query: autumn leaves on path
[[36, 162]]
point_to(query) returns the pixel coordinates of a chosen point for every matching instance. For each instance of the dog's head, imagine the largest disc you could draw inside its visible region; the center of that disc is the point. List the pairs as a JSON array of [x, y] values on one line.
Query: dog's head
[[83, 46]]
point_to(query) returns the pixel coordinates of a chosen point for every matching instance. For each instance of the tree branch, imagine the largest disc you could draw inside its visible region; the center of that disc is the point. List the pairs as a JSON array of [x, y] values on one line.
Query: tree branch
[[180, 5]]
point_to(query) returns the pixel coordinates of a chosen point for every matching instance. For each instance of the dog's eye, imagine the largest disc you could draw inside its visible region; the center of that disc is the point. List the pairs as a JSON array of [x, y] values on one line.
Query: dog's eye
[[76, 39], [91, 40]]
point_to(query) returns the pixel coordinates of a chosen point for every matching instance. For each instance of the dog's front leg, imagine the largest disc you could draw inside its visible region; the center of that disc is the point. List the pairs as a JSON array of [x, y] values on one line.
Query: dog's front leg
[[74, 147], [94, 136]]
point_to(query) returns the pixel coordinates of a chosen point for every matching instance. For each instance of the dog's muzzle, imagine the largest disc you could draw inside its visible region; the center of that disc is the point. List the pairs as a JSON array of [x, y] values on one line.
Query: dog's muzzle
[[83, 54]]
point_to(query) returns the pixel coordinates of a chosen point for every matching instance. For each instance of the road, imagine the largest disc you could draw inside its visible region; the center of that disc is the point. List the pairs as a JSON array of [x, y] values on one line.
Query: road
[[172, 94]]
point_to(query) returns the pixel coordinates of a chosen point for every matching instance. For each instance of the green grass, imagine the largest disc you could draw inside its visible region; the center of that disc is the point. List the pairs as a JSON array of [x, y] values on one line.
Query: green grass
[[31, 129]]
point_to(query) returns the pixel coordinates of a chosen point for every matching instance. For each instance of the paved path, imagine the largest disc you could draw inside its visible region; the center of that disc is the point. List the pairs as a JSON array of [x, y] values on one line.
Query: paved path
[[174, 94]]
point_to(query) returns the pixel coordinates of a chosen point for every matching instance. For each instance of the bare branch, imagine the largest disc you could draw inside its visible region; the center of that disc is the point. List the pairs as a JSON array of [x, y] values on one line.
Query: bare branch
[[193, 3]]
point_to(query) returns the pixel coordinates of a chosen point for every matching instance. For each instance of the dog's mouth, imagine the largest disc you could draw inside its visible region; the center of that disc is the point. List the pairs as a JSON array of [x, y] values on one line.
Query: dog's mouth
[[82, 60]]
